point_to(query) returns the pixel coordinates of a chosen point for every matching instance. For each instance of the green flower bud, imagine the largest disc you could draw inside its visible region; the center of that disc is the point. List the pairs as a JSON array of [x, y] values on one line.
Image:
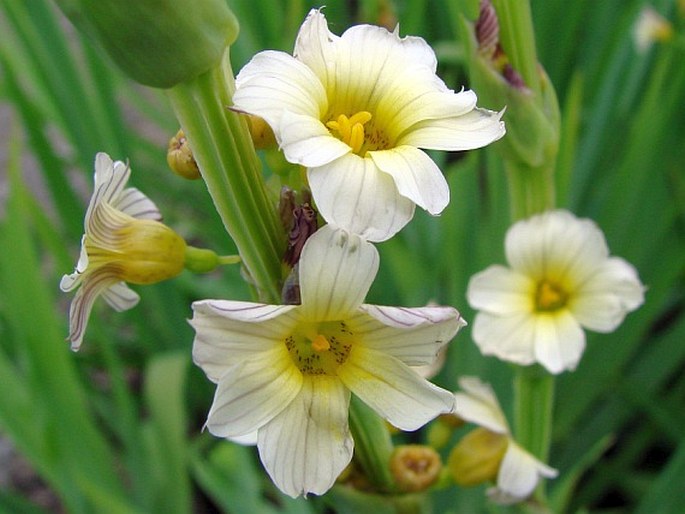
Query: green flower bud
[[532, 118], [159, 43]]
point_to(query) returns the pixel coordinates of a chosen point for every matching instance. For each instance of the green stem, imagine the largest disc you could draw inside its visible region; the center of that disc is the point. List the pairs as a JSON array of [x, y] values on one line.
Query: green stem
[[222, 147], [518, 39], [373, 447], [531, 189]]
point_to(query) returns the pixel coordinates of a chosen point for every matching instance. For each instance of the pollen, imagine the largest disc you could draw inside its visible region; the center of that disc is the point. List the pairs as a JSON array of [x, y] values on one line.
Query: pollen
[[320, 344], [351, 130], [549, 296]]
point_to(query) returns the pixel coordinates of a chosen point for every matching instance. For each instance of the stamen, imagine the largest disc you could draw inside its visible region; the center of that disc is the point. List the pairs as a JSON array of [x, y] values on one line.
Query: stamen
[[351, 130], [549, 296], [320, 344]]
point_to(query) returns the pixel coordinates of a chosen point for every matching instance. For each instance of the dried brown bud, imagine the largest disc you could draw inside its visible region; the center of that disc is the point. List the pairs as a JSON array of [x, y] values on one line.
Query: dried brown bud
[[415, 467], [180, 158]]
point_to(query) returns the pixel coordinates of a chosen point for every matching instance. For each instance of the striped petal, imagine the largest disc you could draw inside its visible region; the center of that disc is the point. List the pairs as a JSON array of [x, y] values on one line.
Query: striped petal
[[392, 389], [308, 444], [228, 332], [336, 271], [414, 336], [253, 392]]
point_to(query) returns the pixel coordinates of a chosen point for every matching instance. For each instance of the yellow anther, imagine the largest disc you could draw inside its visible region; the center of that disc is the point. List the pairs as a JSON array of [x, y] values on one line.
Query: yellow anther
[[351, 130], [320, 343]]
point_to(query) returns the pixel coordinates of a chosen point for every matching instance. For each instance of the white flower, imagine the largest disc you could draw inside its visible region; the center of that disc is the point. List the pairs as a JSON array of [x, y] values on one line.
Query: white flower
[[560, 280], [355, 110], [650, 27], [123, 242], [284, 373], [519, 471]]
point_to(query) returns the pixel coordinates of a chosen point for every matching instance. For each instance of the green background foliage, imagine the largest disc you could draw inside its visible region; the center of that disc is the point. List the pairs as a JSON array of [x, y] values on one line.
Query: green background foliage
[[117, 427]]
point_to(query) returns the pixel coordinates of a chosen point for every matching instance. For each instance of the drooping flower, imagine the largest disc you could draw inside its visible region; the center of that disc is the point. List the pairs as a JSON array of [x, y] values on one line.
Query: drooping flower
[[284, 373], [123, 242], [355, 110], [561, 279], [514, 471]]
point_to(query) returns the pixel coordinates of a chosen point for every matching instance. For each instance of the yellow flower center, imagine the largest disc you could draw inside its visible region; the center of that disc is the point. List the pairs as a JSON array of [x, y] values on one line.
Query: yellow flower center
[[550, 296], [356, 132], [319, 348]]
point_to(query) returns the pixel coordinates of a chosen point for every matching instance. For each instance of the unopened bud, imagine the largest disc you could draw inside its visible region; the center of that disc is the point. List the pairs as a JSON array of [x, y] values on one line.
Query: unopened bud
[[415, 467], [159, 43], [261, 132], [477, 457], [180, 158]]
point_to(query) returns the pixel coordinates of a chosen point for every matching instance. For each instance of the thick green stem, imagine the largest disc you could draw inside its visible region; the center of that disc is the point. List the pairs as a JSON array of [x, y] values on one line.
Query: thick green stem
[[228, 163], [373, 447], [518, 39], [534, 393], [531, 190]]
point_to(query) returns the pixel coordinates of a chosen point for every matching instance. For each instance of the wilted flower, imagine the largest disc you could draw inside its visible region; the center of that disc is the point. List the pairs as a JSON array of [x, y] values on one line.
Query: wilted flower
[[561, 280], [285, 372], [514, 471], [355, 110], [123, 242]]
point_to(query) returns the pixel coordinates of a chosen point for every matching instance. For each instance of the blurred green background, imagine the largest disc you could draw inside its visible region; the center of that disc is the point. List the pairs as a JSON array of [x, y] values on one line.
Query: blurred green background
[[117, 427]]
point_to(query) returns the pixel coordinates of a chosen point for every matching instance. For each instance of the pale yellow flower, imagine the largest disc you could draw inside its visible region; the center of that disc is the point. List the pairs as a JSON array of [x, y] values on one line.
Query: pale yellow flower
[[561, 279], [285, 373], [356, 110]]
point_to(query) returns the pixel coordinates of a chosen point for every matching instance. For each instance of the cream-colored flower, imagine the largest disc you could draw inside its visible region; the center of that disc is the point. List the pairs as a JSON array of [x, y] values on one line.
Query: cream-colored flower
[[123, 242], [649, 28], [561, 279], [284, 373], [355, 110], [518, 472]]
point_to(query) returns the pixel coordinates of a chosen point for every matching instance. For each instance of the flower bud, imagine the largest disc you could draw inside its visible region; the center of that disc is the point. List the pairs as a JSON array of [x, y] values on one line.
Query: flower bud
[[477, 457], [180, 158], [157, 43], [261, 132], [415, 467], [533, 120]]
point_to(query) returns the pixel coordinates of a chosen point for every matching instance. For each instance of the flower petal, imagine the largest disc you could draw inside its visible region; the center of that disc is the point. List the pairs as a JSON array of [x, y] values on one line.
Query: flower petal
[[274, 82], [559, 341], [110, 180], [228, 332], [134, 203], [510, 338], [556, 245], [478, 404], [467, 131], [92, 286], [392, 389], [603, 300], [336, 271], [315, 45], [518, 475], [416, 176], [413, 336], [252, 392], [120, 297], [307, 446], [352, 193], [499, 290], [306, 141]]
